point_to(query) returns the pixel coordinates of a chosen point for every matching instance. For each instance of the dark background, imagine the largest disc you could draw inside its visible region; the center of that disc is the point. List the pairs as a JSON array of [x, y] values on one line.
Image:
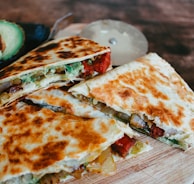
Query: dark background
[[167, 24]]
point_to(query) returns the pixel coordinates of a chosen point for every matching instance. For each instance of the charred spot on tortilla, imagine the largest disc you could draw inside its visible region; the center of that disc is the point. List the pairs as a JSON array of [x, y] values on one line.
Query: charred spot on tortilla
[[47, 47], [66, 54]]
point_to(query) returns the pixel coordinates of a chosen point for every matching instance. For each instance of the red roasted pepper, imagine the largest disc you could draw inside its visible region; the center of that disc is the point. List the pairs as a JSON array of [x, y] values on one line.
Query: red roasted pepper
[[156, 132], [100, 65], [123, 145]]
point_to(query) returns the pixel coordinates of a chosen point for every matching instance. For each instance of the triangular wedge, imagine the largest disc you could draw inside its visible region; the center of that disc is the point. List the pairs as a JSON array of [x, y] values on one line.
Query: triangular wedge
[[66, 59], [148, 94], [39, 145]]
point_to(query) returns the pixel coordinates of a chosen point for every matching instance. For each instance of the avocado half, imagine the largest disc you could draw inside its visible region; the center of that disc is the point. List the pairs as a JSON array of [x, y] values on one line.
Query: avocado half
[[12, 39]]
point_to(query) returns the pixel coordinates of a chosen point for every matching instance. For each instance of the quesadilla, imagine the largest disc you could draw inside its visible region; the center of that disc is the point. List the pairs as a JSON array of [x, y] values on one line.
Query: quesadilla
[[65, 59], [39, 145], [148, 94], [57, 98]]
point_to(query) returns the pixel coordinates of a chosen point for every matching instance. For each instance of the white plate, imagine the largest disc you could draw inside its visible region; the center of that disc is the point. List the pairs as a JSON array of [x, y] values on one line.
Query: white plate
[[126, 42]]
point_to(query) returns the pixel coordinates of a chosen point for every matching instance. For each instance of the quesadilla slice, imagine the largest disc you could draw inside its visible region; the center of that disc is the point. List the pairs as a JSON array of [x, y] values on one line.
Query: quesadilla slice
[[148, 94], [40, 146], [65, 59], [57, 98]]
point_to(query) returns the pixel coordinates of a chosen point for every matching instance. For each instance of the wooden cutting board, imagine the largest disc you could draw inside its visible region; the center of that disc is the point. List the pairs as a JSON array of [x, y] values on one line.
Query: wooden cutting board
[[161, 165]]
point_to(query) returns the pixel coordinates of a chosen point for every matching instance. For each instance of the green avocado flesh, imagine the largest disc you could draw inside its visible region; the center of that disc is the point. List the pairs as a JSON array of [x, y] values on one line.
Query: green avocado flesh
[[11, 39]]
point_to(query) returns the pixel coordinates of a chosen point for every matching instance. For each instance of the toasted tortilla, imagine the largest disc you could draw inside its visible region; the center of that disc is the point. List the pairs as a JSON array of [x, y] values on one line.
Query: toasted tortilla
[[58, 60], [38, 141], [155, 99], [41, 144], [58, 99]]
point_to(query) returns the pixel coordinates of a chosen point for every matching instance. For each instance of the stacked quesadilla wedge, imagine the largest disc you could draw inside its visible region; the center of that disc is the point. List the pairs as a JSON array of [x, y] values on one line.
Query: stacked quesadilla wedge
[[39, 145], [148, 94], [66, 59], [57, 98]]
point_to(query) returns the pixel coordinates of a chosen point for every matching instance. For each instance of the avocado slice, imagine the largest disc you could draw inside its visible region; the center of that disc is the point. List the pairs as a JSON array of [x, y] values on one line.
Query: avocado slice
[[12, 39]]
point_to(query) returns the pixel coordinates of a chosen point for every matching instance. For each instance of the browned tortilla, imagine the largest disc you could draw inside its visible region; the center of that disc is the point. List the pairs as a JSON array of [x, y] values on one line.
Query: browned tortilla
[[63, 50], [39, 141], [148, 87]]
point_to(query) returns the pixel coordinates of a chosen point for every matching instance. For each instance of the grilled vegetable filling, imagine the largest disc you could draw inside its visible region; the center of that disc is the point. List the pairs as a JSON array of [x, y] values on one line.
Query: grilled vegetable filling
[[65, 73], [103, 164], [149, 127], [143, 125], [41, 78]]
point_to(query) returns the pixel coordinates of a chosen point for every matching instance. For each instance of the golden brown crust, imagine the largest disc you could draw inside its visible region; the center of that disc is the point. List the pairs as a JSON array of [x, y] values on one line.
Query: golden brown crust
[[34, 138], [59, 99], [56, 51], [147, 86]]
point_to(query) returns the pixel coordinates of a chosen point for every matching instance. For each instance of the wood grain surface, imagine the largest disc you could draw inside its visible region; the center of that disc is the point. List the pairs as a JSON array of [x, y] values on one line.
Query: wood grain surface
[[162, 164], [169, 28]]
